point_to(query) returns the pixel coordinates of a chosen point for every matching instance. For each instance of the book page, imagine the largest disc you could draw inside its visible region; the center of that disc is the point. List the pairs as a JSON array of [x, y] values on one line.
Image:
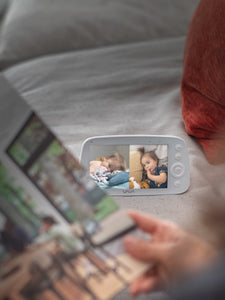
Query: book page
[[61, 235]]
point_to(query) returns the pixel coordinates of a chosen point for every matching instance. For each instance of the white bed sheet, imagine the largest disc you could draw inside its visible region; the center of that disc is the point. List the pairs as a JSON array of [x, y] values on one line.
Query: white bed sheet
[[129, 89], [33, 28], [126, 89]]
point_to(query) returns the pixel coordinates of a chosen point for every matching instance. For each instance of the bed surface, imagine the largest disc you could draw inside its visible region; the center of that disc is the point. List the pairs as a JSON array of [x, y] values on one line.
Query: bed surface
[[33, 28], [126, 89], [122, 89]]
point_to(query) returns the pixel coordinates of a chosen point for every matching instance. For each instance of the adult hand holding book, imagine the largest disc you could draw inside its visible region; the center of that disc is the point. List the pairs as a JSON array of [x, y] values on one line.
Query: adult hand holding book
[[173, 251]]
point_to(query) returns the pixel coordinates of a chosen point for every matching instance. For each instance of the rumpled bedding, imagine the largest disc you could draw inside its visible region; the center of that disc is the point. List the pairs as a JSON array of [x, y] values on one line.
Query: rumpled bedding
[[119, 89], [105, 185], [112, 180], [34, 28], [134, 89]]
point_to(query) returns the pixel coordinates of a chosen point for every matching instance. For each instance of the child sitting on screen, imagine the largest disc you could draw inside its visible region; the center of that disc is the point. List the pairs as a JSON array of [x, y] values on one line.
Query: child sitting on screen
[[156, 175]]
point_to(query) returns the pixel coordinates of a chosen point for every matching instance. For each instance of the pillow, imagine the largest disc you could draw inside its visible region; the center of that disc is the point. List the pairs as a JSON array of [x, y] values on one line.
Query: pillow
[[39, 27], [203, 80]]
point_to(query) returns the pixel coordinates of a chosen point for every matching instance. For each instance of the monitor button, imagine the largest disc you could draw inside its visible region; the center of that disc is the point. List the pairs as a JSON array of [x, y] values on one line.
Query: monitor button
[[177, 183], [177, 170], [178, 156], [178, 147]]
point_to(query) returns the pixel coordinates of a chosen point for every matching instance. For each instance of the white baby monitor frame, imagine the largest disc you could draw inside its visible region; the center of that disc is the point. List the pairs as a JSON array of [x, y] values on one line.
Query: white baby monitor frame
[[178, 177]]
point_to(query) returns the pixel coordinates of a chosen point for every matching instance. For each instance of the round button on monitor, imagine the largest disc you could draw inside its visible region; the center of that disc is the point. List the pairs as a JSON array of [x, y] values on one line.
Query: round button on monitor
[[178, 156], [178, 147], [177, 183], [177, 170]]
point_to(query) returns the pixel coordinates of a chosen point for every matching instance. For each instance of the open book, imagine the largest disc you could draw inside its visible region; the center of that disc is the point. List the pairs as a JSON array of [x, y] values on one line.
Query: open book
[[61, 235]]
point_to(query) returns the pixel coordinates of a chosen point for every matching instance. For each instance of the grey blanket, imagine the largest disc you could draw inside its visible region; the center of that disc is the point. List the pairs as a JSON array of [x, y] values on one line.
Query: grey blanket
[[130, 89]]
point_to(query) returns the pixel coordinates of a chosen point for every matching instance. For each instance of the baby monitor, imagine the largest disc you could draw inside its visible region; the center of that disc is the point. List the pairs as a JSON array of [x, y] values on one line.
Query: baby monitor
[[137, 164]]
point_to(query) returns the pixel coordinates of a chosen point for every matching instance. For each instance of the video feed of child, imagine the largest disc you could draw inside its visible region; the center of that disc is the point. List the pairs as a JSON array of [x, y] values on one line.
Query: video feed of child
[[129, 166]]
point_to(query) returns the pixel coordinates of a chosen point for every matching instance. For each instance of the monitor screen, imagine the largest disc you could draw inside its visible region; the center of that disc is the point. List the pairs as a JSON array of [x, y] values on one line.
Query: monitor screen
[[129, 166]]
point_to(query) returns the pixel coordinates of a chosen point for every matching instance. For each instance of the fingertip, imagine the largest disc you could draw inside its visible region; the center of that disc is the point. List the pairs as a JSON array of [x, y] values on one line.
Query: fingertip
[[132, 213], [146, 222], [143, 285], [135, 215], [150, 284], [133, 290], [130, 242]]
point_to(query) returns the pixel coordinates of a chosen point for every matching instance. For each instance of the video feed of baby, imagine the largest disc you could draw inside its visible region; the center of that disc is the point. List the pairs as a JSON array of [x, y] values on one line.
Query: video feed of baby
[[109, 166]]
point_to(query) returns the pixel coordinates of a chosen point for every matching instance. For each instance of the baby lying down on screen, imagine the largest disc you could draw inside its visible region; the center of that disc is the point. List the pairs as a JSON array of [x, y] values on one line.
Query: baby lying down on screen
[[105, 169]]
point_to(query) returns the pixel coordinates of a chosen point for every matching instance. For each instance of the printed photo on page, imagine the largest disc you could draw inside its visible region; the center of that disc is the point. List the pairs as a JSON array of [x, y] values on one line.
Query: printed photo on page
[[61, 235]]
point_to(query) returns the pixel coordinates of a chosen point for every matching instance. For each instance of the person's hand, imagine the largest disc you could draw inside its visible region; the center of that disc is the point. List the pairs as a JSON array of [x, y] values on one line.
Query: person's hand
[[93, 166], [172, 251], [150, 174]]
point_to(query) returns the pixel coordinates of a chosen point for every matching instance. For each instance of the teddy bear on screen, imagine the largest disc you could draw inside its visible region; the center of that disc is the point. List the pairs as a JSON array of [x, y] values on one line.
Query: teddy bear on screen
[[133, 184]]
